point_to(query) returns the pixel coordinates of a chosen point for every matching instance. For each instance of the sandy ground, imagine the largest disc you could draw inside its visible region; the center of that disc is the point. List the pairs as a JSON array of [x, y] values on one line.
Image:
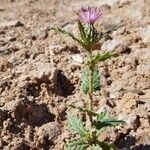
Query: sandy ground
[[40, 71]]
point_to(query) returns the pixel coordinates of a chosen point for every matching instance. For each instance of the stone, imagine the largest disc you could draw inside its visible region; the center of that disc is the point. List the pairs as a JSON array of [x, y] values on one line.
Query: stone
[[142, 54], [110, 3], [116, 88], [128, 103], [135, 10], [11, 23], [52, 130], [4, 64], [29, 133], [54, 48], [145, 34], [143, 69], [111, 45], [30, 112], [45, 69], [2, 116], [41, 34], [77, 58]]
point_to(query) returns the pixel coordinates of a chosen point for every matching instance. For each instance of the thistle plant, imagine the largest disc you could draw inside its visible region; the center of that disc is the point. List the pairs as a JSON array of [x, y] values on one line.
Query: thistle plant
[[88, 132]]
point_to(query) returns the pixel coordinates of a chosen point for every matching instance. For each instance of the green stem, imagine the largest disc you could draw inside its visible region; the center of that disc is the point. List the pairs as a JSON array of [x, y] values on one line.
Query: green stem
[[90, 93]]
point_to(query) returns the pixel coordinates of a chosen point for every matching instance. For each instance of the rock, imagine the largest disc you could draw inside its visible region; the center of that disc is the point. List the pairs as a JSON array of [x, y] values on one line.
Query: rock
[[10, 106], [111, 45], [145, 34], [11, 38], [105, 7], [4, 84], [7, 124], [128, 103], [1, 9], [29, 112], [2, 116], [1, 142], [142, 55], [20, 144], [116, 88], [29, 133], [143, 82], [4, 64], [54, 49], [110, 3], [44, 69], [132, 120], [143, 110], [135, 10], [46, 135], [61, 113], [77, 58], [63, 137], [41, 34], [11, 23], [144, 98], [47, 132], [143, 69], [43, 72]]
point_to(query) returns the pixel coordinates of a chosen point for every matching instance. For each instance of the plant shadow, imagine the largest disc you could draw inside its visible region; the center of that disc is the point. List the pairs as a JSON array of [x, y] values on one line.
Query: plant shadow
[[62, 86], [129, 143]]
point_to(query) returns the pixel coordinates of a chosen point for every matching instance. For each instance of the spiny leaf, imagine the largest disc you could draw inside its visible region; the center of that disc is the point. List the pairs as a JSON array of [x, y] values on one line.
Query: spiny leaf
[[96, 80], [113, 28], [78, 144], [102, 116], [106, 33], [81, 29], [96, 147], [85, 80], [100, 131], [78, 126], [106, 146], [103, 120], [68, 34], [103, 57], [82, 109]]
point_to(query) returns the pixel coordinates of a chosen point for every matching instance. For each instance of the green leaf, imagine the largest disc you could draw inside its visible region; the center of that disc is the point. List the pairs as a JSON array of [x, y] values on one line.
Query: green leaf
[[82, 109], [106, 146], [102, 116], [69, 34], [96, 80], [82, 32], [100, 131], [78, 126], [103, 57], [78, 144], [96, 147], [103, 120], [85, 80], [109, 31], [91, 36]]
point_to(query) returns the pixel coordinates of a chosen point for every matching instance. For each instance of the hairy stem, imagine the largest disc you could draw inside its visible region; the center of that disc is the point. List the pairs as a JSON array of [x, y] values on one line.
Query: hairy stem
[[90, 93]]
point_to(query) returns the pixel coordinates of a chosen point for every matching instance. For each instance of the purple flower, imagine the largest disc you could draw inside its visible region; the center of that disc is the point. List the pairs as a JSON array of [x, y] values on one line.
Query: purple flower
[[89, 15]]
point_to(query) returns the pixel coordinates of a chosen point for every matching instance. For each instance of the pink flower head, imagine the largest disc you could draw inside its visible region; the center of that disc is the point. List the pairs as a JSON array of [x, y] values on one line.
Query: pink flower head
[[89, 15]]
